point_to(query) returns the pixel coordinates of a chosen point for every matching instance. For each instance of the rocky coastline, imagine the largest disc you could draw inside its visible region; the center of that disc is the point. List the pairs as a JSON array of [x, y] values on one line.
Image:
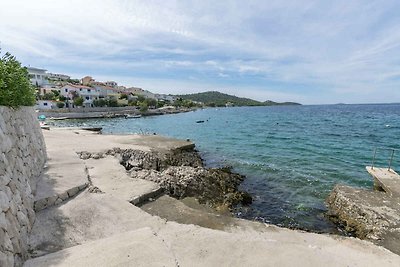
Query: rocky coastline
[[103, 224], [181, 173]]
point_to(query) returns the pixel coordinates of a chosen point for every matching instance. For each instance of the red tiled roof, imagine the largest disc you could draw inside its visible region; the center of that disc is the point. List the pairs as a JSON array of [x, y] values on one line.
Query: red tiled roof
[[79, 86]]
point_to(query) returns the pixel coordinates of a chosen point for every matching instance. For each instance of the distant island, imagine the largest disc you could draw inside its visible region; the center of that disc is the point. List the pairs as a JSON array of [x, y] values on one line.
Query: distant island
[[217, 99]]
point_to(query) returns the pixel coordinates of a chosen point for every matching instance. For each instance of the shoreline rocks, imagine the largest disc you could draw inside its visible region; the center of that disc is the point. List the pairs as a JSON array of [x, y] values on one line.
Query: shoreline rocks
[[370, 215], [181, 173]]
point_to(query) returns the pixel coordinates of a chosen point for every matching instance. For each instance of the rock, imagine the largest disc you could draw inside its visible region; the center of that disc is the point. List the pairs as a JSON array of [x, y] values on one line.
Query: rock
[[4, 201], [73, 191], [40, 204], [6, 259]]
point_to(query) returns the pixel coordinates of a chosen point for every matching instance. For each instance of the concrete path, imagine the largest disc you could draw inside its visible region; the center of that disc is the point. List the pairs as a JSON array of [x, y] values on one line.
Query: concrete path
[[63, 177]]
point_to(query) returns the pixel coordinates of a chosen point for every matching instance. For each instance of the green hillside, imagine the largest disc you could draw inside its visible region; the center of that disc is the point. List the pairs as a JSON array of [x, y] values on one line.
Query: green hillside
[[214, 98]]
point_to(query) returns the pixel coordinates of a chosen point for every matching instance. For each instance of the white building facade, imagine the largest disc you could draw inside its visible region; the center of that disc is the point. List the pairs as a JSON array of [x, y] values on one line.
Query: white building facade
[[37, 76]]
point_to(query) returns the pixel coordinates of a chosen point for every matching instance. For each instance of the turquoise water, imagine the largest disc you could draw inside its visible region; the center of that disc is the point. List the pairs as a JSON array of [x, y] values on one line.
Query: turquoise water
[[292, 156]]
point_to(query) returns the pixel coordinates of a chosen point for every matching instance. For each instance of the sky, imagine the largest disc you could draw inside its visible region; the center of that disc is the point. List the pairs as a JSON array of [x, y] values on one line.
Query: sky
[[312, 52]]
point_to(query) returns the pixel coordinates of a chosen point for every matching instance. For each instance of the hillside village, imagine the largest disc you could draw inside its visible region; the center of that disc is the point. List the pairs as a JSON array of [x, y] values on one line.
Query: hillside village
[[55, 91]]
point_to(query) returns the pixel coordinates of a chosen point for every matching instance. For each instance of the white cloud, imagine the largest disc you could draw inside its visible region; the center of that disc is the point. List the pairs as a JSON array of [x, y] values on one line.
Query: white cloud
[[333, 49]]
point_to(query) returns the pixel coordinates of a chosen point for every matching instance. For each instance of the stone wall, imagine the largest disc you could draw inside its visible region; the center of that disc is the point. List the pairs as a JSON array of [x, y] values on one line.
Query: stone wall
[[22, 158]]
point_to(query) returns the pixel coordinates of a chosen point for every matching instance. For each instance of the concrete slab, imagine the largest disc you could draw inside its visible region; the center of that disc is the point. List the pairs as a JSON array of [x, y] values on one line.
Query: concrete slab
[[387, 179], [87, 217], [93, 142], [195, 246], [135, 248], [189, 245], [111, 177]]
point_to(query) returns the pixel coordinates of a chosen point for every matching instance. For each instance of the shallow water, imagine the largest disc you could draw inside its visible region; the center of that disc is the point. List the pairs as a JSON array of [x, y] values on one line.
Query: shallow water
[[292, 156]]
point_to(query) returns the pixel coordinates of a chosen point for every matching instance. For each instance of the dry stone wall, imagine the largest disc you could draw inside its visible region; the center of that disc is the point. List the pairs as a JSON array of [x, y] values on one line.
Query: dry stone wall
[[22, 158]]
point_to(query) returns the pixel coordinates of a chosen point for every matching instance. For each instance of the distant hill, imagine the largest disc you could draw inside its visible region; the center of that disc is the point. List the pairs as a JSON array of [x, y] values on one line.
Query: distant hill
[[213, 98]]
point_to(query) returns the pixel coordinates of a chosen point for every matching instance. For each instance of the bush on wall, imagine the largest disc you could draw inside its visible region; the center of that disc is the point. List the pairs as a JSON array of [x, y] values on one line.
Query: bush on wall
[[15, 87]]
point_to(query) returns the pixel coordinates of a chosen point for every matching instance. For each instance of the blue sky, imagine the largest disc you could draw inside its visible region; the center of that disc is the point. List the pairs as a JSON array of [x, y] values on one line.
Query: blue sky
[[313, 52]]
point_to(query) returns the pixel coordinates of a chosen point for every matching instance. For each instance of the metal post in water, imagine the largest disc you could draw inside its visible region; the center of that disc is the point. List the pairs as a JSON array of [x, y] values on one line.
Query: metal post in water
[[373, 159], [391, 159]]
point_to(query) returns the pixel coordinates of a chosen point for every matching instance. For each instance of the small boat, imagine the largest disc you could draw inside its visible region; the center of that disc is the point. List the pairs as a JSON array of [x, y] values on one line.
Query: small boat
[[199, 121], [92, 129], [44, 126], [128, 116], [58, 118]]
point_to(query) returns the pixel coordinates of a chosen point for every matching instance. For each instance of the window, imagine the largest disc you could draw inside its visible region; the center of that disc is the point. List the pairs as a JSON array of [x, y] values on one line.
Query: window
[[44, 104], [80, 89], [88, 90], [66, 90], [87, 98]]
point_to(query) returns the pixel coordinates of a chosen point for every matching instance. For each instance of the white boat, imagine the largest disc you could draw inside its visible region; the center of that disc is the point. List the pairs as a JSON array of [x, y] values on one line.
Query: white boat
[[129, 116]]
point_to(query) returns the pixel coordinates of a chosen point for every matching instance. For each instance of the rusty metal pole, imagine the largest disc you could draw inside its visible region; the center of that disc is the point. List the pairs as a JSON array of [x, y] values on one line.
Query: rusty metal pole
[[391, 159]]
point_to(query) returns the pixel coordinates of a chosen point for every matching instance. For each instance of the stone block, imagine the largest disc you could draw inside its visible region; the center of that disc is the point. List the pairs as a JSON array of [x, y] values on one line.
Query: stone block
[[16, 244], [5, 241], [4, 178], [40, 204], [22, 219], [12, 225], [4, 201], [3, 223], [51, 200], [73, 191], [64, 196], [58, 201], [6, 259]]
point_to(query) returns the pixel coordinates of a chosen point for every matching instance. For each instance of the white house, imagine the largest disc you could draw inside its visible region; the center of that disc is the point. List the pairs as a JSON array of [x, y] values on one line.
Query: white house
[[164, 97], [37, 76], [140, 91], [87, 93], [46, 104], [106, 91], [111, 84], [58, 77]]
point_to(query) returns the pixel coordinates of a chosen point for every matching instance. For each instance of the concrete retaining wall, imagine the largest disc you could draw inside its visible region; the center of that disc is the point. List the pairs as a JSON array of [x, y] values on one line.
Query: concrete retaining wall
[[22, 158]]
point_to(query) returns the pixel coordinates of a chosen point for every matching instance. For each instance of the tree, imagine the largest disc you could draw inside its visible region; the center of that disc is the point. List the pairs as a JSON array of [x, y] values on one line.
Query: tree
[[112, 102], [78, 101], [143, 107], [151, 102], [49, 96], [15, 87], [99, 102]]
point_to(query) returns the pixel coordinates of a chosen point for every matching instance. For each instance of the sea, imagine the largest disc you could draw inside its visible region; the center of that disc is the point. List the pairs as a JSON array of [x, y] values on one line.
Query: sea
[[292, 156]]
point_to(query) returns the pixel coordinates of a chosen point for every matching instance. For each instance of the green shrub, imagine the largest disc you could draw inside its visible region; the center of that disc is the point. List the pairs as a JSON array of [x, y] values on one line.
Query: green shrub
[[99, 102], [78, 101], [60, 104], [143, 107], [15, 87]]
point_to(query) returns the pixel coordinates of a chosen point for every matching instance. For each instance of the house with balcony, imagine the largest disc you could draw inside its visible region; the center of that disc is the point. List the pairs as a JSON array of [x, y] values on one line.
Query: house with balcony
[[87, 93], [38, 77]]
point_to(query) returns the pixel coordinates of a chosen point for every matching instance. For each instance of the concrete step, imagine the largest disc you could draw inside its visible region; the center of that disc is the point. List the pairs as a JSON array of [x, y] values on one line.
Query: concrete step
[[87, 217], [111, 178], [63, 178]]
